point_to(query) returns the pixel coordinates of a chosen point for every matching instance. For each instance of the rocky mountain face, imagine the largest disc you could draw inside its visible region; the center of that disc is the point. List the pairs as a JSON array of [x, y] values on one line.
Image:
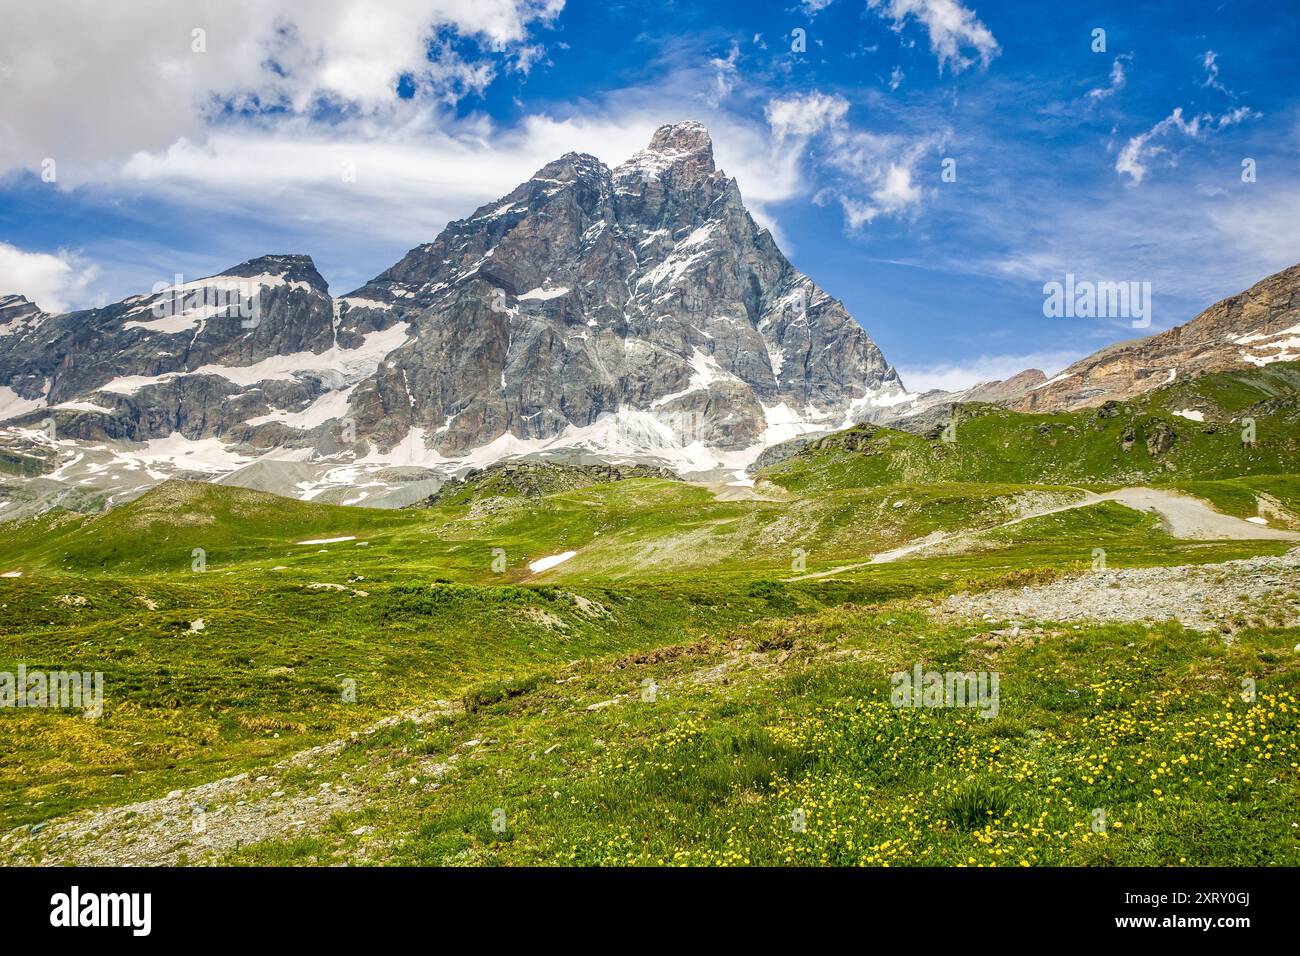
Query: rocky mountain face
[[178, 360], [1256, 327], [638, 306], [17, 314], [634, 314], [1006, 389]]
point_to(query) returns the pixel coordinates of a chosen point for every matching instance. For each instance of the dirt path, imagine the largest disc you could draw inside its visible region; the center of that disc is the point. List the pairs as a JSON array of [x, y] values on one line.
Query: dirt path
[[1186, 517], [1181, 515]]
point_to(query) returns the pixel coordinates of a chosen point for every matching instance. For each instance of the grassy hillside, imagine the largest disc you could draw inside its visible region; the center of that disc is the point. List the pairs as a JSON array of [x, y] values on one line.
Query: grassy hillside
[[1123, 443], [207, 674], [159, 531], [213, 672], [639, 530], [642, 527], [1142, 724]]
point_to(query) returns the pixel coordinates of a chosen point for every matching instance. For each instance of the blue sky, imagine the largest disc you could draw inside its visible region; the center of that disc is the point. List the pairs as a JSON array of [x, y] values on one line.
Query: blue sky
[[186, 137]]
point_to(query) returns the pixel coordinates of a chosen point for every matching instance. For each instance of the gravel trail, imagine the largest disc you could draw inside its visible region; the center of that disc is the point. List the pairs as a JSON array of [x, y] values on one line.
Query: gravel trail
[[1181, 515]]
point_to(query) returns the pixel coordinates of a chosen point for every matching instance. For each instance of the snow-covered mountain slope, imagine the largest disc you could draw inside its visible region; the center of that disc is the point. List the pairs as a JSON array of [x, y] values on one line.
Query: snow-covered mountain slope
[[632, 314]]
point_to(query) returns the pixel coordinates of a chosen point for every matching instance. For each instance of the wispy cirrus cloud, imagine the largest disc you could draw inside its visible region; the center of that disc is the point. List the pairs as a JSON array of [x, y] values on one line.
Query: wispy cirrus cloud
[[1118, 80], [724, 76], [1210, 60], [1138, 154], [958, 38], [869, 174]]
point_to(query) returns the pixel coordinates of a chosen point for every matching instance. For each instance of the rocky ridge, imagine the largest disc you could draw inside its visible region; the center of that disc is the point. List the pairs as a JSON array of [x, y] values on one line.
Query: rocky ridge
[[1251, 329]]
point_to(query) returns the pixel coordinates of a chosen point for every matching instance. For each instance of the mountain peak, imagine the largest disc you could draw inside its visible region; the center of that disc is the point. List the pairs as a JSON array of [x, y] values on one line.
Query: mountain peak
[[292, 266], [683, 148], [685, 137]]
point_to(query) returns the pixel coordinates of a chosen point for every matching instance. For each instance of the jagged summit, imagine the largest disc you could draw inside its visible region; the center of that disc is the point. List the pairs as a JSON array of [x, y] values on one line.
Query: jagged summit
[[685, 137], [683, 151]]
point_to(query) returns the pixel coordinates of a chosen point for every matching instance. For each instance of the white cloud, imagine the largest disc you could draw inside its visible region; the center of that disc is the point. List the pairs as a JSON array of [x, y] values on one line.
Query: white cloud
[[952, 29], [1118, 78], [131, 76], [1210, 61], [896, 190], [1132, 158], [1135, 158], [56, 283], [803, 115], [724, 77], [1233, 117], [955, 376], [885, 165], [893, 194], [895, 78], [528, 56]]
